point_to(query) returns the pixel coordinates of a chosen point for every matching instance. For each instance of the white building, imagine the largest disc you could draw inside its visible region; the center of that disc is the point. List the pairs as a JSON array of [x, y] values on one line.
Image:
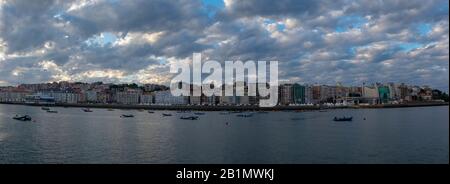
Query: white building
[[128, 97], [370, 94], [91, 96], [166, 97], [146, 99], [7, 96], [63, 97], [309, 94]]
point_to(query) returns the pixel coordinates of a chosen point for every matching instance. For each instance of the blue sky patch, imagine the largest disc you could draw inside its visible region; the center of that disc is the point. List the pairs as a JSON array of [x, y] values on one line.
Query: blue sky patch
[[102, 39], [212, 6], [346, 23], [280, 26], [409, 46], [424, 29]]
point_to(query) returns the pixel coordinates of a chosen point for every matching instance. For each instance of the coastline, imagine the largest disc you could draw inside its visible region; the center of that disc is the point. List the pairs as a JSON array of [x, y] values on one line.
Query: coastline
[[235, 108]]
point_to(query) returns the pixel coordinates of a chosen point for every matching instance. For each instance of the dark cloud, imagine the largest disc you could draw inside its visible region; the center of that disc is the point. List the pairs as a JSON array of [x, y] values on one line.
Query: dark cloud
[[315, 41]]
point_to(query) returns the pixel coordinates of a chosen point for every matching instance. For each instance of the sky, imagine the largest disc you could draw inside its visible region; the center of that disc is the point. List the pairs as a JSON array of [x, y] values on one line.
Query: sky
[[315, 41]]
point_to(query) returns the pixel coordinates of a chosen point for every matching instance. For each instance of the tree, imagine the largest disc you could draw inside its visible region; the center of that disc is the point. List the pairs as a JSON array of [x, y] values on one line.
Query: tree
[[439, 95]]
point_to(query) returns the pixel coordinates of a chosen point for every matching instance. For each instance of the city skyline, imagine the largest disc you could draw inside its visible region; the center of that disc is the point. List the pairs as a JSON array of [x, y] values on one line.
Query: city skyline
[[136, 41], [167, 86], [153, 94]]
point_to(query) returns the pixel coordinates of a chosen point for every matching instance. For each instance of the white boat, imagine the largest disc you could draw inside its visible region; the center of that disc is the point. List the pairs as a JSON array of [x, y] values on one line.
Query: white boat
[[87, 110]]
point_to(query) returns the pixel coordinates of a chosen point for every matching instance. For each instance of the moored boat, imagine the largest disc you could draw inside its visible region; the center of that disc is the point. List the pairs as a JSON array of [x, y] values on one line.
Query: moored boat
[[343, 119], [151, 112], [199, 113], [127, 116], [87, 110], [22, 118], [166, 114], [45, 108], [189, 117], [52, 111]]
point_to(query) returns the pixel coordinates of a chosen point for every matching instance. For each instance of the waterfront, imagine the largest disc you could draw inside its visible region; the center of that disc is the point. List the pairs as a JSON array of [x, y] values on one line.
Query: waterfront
[[400, 135]]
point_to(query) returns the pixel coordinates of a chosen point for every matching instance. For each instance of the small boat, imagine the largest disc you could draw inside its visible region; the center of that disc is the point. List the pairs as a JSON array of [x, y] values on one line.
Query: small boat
[[127, 116], [22, 118], [343, 119], [166, 114], [151, 112], [244, 115], [87, 110], [52, 111], [189, 117], [45, 108], [110, 109], [322, 110], [199, 113]]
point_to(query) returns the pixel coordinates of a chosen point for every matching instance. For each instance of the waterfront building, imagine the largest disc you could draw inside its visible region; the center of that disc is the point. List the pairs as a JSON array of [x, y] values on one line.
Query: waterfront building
[[68, 92], [316, 94], [285, 94], [324, 94], [13, 95], [39, 99], [394, 91], [309, 95], [64, 97], [384, 94], [130, 96], [146, 99], [341, 92], [426, 93], [91, 96], [166, 98], [370, 94], [354, 91], [404, 92], [104, 97], [414, 93], [298, 94]]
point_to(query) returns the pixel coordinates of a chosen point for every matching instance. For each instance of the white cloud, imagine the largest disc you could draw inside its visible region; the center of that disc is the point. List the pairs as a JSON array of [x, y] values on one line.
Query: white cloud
[[57, 72], [139, 38], [79, 4], [303, 36]]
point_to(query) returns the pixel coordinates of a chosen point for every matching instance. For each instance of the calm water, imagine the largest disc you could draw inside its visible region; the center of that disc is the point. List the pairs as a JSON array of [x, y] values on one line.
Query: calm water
[[404, 135]]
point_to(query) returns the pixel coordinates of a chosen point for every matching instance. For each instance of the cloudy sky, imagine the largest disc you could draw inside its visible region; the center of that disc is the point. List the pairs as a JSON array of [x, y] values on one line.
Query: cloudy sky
[[314, 41]]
